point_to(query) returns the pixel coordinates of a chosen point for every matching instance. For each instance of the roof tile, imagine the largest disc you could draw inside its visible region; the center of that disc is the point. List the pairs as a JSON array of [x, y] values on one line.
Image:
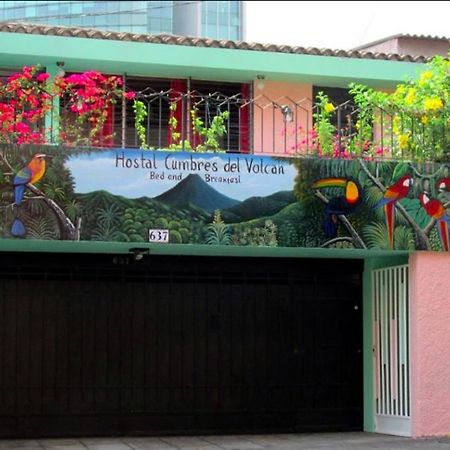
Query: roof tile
[[46, 30]]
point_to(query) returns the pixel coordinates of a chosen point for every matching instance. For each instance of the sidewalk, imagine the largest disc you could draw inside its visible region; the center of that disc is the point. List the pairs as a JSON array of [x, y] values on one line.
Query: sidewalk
[[319, 441]]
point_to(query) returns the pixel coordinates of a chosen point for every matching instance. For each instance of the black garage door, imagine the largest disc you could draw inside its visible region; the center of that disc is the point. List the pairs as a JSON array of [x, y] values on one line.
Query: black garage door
[[105, 345]]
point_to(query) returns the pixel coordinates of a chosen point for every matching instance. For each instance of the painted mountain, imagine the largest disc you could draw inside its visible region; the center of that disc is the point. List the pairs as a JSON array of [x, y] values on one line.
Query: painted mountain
[[194, 191], [255, 207]]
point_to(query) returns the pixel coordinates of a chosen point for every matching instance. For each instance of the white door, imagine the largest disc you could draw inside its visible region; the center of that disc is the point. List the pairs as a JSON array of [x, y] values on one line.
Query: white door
[[390, 300]]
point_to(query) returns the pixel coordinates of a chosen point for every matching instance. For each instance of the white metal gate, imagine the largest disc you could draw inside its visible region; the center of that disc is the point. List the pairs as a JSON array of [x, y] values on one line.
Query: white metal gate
[[390, 300]]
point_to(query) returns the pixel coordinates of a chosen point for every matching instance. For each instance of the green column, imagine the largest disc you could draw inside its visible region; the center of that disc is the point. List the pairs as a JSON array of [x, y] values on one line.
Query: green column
[[369, 397], [52, 117]]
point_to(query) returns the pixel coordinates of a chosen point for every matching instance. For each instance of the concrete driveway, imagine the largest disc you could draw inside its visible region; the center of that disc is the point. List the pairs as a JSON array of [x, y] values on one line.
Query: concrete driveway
[[320, 441]]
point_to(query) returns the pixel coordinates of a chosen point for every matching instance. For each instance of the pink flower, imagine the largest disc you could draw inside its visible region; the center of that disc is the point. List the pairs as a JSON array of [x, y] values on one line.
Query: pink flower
[[75, 79], [22, 127], [129, 95], [42, 77]]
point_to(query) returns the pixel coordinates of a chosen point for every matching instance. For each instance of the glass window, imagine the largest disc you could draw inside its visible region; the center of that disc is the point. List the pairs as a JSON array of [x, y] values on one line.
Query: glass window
[[223, 6], [166, 10], [235, 21], [223, 32], [139, 19], [155, 25], [234, 7], [211, 17], [223, 18], [234, 33], [76, 8], [125, 19]]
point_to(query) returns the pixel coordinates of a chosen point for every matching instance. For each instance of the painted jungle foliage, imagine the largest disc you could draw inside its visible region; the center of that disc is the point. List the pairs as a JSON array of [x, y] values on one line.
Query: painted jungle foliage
[[222, 199]]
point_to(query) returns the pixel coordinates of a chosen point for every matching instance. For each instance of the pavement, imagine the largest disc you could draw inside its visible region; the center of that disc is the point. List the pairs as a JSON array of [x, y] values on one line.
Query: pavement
[[319, 441]]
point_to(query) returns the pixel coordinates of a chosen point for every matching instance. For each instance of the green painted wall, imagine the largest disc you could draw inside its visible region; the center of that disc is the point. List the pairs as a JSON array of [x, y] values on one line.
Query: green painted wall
[[34, 245], [163, 60]]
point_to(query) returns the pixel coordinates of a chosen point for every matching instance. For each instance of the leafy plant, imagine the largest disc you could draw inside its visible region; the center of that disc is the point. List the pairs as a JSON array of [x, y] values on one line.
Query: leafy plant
[[376, 237], [265, 236], [323, 127], [41, 228], [106, 229], [212, 134], [419, 110], [140, 114], [218, 233]]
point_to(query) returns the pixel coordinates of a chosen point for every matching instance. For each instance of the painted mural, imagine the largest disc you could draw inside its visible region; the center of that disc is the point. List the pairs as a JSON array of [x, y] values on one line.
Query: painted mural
[[223, 199]]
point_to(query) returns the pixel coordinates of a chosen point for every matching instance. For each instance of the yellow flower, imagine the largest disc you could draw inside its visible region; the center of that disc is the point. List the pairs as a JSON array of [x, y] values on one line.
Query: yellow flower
[[425, 77], [400, 91], [432, 104], [328, 108], [424, 120], [396, 125], [403, 141], [410, 96]]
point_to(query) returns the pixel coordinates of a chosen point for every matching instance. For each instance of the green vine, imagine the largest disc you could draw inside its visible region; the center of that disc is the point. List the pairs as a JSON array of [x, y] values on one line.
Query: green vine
[[175, 135], [140, 115], [211, 134], [323, 127]]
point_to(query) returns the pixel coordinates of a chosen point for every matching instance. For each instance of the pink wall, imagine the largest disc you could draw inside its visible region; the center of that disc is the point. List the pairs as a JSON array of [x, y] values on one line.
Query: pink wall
[[425, 47], [430, 343], [390, 46], [411, 46], [270, 134]]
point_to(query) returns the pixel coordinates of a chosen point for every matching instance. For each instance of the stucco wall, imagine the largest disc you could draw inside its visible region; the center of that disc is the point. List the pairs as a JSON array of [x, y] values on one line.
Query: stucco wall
[[270, 136], [411, 46], [390, 46], [423, 47], [430, 343]]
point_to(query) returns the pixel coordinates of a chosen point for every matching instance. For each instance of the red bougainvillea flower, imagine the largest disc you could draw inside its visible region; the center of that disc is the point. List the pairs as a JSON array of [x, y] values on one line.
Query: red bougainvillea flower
[[42, 77], [130, 95], [26, 98]]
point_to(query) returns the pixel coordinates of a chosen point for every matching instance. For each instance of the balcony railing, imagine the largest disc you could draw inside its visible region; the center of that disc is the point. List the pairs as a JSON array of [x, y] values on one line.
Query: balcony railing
[[282, 126]]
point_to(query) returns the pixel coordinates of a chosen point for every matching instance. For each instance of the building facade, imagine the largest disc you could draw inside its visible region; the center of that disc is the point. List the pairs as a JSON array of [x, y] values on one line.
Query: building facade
[[409, 44], [212, 19], [124, 336]]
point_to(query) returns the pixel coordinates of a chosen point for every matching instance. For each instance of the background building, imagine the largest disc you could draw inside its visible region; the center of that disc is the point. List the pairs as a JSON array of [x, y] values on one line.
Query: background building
[[409, 44], [212, 19]]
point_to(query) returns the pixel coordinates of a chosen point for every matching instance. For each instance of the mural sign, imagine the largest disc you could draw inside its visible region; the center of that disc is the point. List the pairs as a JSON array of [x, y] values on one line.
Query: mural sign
[[224, 199]]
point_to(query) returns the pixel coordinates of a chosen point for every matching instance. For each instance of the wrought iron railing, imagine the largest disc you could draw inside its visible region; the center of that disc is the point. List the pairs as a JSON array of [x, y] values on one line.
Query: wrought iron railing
[[262, 125]]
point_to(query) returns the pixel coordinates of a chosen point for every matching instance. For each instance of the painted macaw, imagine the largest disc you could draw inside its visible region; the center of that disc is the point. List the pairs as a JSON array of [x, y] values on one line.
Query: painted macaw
[[443, 184], [31, 173], [435, 209], [342, 204], [392, 194]]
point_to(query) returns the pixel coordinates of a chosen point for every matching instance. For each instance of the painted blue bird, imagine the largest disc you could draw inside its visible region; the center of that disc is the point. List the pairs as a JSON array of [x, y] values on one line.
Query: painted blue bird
[[31, 173]]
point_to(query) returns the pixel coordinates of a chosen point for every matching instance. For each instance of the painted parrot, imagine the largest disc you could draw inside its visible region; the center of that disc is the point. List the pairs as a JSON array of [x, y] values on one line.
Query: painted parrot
[[342, 204], [435, 209], [31, 173], [392, 194], [443, 184]]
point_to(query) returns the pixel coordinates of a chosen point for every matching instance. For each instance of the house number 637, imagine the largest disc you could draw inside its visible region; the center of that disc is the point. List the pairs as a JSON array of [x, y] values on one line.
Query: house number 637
[[158, 235]]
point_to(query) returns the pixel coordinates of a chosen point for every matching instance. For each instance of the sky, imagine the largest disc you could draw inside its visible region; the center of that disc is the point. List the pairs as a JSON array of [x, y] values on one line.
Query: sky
[[342, 24]]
